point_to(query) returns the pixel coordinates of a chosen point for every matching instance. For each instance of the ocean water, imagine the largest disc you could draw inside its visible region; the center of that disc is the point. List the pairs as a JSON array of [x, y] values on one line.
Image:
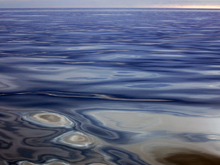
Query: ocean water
[[109, 87]]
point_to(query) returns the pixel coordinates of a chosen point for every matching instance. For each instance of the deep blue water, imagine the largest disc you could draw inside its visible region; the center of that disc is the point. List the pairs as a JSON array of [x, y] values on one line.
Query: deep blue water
[[109, 86]]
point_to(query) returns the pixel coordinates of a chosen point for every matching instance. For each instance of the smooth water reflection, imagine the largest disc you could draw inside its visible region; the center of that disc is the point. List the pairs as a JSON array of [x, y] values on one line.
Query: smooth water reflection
[[109, 87], [140, 121], [111, 138]]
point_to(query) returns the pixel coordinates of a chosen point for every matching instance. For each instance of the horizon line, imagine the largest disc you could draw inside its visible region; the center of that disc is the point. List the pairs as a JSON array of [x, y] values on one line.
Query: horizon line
[[188, 7]]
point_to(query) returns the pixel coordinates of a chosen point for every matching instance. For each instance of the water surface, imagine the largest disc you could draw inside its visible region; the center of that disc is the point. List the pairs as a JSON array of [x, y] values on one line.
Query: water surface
[[109, 86]]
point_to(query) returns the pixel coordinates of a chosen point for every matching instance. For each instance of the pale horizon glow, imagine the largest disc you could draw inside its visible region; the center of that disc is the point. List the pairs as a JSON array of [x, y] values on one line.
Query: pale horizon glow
[[198, 7], [187, 4], [183, 7]]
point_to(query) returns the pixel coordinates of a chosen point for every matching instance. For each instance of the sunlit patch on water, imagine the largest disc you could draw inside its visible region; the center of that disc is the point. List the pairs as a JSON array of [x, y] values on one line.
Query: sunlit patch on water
[[75, 139], [138, 121], [49, 119], [182, 134], [126, 120]]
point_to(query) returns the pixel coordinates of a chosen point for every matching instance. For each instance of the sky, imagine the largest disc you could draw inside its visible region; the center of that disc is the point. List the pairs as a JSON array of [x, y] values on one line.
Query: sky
[[109, 3]]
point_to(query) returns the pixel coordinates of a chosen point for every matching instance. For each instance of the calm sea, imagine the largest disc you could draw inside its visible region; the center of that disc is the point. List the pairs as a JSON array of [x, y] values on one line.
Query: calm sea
[[109, 87]]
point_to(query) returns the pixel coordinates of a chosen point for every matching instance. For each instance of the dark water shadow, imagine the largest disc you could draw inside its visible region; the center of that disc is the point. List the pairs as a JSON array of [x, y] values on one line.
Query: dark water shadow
[[181, 156]]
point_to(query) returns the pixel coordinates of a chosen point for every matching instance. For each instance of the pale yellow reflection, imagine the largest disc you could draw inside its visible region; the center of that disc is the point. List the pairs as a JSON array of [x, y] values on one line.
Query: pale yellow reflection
[[139, 121], [75, 139], [49, 119], [126, 120], [162, 149]]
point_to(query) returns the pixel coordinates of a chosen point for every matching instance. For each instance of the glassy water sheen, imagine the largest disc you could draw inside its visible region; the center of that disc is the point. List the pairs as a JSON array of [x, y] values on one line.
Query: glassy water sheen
[[109, 87]]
